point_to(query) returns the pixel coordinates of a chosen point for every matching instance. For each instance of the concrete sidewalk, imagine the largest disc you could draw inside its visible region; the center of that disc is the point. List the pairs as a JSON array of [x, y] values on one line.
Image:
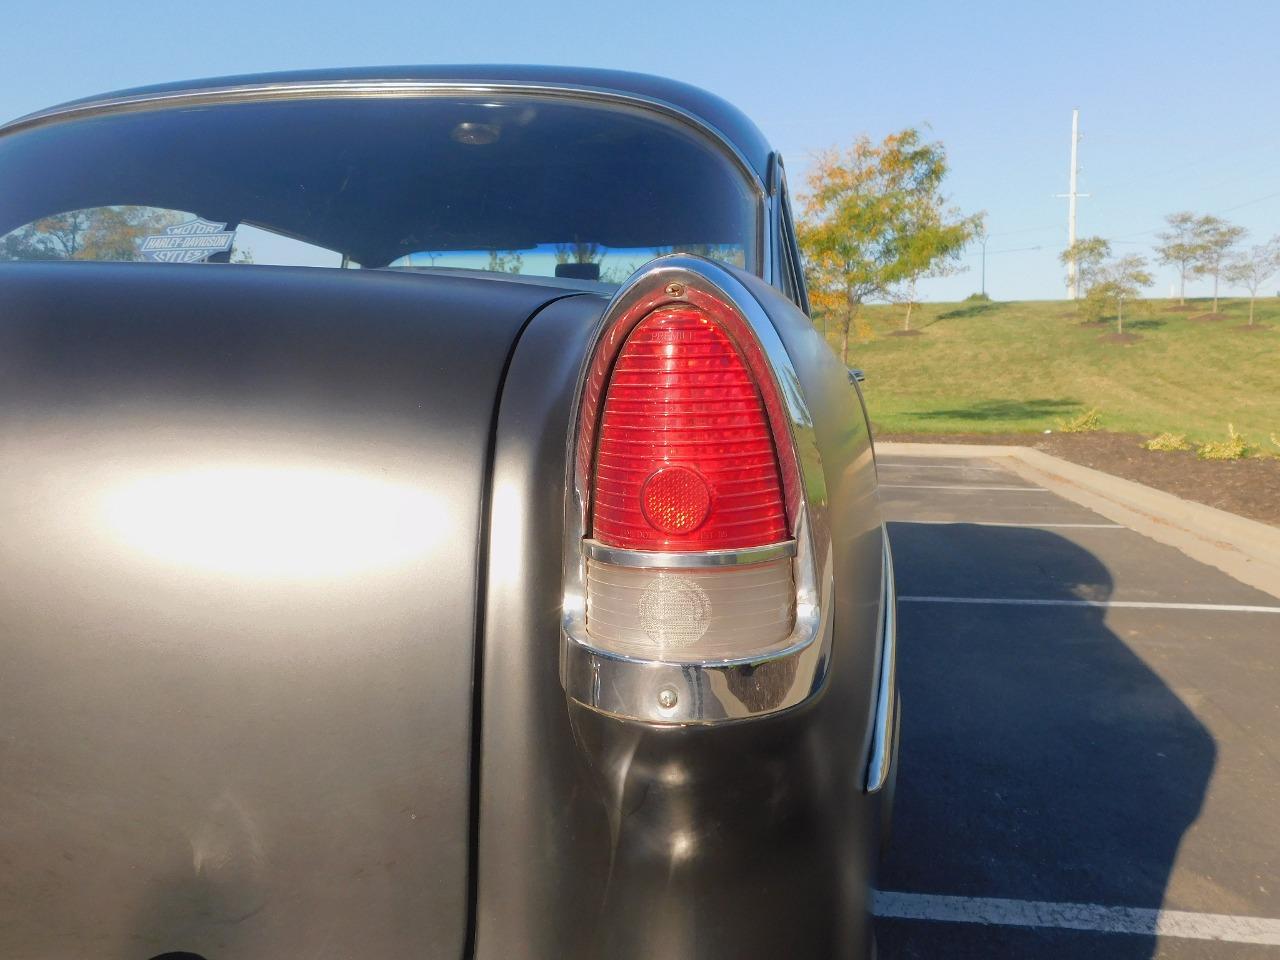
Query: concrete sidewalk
[[1245, 549]]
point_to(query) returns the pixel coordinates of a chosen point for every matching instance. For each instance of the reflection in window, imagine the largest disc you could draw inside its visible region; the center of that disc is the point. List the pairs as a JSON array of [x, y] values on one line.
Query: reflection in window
[[100, 233], [574, 260], [129, 233], [255, 245]]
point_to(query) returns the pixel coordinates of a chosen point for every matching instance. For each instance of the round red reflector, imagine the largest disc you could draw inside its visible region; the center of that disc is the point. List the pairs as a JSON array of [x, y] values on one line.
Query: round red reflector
[[676, 499]]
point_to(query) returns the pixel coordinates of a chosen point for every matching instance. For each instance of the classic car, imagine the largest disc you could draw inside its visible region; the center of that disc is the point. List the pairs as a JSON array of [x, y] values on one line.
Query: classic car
[[432, 527]]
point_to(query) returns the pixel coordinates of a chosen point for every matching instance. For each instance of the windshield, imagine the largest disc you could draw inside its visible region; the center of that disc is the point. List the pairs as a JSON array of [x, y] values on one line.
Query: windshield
[[515, 184]]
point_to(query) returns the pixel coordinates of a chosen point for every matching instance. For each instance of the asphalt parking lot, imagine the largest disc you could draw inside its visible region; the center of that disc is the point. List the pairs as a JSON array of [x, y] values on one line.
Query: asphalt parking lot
[[1090, 734]]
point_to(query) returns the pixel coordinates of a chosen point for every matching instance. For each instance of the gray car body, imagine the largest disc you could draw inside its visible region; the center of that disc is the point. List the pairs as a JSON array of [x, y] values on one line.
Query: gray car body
[[245, 760]]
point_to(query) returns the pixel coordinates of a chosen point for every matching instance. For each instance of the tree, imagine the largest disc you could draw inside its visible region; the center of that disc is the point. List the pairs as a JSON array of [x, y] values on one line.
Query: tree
[[1182, 246], [505, 261], [26, 243], [1254, 267], [724, 252], [1218, 238], [933, 247], [98, 233], [578, 253], [64, 232], [1088, 254], [113, 233], [873, 218], [1121, 280]]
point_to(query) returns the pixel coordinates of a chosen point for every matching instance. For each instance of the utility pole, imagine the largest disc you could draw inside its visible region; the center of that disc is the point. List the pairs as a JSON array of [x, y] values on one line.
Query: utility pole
[[1073, 278], [984, 263]]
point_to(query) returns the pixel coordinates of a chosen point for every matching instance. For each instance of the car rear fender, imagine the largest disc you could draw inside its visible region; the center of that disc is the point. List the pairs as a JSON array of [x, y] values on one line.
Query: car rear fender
[[600, 836]]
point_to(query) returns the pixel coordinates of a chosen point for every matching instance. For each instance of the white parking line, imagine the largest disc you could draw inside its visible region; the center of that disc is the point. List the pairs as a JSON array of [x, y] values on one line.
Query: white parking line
[[1037, 526], [1132, 604], [1077, 916], [957, 486]]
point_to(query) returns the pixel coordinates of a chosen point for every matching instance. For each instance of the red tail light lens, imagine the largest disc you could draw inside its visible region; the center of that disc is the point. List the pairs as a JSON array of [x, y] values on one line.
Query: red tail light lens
[[685, 457]]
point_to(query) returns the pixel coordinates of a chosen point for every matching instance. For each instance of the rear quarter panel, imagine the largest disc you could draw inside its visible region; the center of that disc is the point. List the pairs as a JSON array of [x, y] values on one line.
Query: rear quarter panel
[[601, 837]]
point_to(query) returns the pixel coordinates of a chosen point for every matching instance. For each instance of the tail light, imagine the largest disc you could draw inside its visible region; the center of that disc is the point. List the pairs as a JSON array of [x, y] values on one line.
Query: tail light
[[691, 588], [684, 455]]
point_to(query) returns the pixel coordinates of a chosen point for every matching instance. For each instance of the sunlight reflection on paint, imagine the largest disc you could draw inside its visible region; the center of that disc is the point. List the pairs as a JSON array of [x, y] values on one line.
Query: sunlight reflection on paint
[[683, 845], [275, 522], [506, 535]]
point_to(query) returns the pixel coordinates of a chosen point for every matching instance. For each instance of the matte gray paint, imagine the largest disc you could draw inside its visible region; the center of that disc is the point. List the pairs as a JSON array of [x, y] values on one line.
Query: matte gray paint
[[198, 753]]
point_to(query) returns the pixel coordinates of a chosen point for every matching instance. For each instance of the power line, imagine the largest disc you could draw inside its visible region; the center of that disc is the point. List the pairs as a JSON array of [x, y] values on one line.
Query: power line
[[1250, 203], [992, 253], [1233, 160], [1010, 233], [1128, 237]]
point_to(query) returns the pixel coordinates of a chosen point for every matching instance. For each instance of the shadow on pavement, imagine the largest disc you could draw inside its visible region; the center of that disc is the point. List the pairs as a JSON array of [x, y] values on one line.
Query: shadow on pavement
[[1041, 759]]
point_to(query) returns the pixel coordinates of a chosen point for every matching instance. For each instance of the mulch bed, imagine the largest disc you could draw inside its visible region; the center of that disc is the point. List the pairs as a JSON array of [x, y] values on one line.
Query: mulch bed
[[1120, 337], [1181, 308], [905, 333], [1207, 317], [1252, 327], [1250, 488]]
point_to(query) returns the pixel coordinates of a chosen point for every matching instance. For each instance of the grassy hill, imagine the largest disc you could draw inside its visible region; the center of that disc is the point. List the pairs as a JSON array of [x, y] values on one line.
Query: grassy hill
[[1022, 366]]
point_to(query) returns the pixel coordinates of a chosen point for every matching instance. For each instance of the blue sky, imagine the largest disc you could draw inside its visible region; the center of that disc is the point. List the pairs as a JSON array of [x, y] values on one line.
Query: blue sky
[[1179, 100]]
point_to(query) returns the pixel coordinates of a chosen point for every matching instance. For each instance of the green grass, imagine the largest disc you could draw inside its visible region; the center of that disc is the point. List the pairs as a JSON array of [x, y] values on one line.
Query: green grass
[[1023, 366]]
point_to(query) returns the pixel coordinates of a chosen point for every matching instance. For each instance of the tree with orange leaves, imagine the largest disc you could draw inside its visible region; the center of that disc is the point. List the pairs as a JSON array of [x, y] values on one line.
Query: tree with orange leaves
[[874, 220]]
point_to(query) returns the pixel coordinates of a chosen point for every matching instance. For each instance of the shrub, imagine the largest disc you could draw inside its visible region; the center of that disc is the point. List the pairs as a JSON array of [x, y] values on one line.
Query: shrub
[[977, 298], [1092, 307], [1081, 422], [1235, 447], [1168, 441]]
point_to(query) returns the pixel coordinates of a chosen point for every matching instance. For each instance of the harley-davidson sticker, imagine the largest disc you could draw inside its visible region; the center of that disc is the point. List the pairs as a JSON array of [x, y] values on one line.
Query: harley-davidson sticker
[[188, 242]]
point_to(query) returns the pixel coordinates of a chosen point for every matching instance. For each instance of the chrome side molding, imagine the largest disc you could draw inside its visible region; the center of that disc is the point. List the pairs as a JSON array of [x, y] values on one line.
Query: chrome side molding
[[887, 692]]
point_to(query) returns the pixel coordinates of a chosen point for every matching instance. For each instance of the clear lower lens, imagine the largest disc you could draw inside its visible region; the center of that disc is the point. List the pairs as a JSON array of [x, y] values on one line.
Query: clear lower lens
[[691, 615]]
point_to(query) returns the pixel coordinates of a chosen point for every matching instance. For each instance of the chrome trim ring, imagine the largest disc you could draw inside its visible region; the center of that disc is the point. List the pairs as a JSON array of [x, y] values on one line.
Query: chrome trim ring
[[671, 560], [664, 692], [773, 208], [887, 691]]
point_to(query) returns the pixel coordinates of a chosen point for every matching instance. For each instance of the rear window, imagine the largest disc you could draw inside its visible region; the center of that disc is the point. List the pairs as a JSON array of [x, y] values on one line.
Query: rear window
[[515, 184]]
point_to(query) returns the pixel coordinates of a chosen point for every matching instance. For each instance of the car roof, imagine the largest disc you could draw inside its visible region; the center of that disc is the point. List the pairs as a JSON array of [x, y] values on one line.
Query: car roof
[[727, 120]]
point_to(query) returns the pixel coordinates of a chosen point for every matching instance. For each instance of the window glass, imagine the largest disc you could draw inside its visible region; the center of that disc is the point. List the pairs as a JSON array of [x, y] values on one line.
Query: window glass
[[516, 184]]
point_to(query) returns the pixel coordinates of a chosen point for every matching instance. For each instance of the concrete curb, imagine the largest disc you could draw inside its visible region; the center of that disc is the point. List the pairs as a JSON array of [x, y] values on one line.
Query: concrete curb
[[1243, 548]]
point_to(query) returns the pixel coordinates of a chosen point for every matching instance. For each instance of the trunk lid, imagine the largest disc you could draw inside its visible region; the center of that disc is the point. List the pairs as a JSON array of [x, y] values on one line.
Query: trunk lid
[[238, 587]]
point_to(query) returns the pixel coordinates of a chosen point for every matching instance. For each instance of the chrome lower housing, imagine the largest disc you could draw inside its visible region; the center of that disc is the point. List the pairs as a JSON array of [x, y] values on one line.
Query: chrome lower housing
[[661, 691]]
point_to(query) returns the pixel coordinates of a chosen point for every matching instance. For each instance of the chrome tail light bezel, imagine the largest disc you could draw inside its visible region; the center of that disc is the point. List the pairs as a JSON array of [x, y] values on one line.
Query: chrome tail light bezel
[[703, 691]]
